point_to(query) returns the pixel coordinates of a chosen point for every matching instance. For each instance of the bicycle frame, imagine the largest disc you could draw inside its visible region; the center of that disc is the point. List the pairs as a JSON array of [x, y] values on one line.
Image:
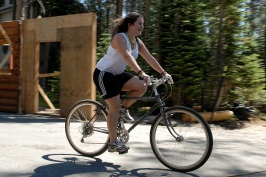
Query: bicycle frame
[[143, 117], [160, 103]]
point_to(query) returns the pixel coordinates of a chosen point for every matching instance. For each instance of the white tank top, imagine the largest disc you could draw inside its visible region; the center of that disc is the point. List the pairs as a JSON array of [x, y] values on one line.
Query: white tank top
[[113, 62]]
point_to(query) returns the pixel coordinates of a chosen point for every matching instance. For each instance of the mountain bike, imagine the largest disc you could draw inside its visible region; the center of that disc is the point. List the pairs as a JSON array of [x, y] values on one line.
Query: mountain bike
[[180, 137]]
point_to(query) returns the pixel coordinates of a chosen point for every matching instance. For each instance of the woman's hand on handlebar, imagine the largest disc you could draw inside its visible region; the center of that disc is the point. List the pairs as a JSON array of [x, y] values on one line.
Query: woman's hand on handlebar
[[168, 77], [145, 77]]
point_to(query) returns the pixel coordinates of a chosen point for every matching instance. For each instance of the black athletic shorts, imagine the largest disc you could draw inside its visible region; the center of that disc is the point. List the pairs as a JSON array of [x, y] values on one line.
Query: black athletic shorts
[[108, 84]]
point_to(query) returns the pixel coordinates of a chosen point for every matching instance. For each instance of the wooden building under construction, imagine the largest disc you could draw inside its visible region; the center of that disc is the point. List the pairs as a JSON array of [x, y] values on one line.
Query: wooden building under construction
[[20, 67]]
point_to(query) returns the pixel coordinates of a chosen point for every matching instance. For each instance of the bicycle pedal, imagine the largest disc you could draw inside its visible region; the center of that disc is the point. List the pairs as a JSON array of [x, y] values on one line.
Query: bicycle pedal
[[124, 152]]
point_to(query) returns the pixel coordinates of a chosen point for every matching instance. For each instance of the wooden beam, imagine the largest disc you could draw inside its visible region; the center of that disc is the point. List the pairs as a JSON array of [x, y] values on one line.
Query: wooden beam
[[8, 94], [8, 102], [49, 74], [8, 108], [45, 97], [9, 86], [5, 72]]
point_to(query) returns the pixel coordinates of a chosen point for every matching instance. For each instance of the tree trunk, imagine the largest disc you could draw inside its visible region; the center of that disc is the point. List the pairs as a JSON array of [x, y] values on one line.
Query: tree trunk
[[119, 5]]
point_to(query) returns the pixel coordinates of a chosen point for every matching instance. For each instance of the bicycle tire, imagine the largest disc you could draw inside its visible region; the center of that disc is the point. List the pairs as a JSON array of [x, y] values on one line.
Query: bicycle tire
[[86, 128], [189, 151]]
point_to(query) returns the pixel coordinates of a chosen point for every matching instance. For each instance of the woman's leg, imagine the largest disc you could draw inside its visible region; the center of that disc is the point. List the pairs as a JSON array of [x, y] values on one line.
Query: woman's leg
[[136, 88], [113, 114], [112, 117]]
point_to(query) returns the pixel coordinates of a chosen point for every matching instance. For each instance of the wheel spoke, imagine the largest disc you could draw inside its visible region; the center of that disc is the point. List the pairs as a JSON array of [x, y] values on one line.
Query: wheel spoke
[[86, 128], [194, 145]]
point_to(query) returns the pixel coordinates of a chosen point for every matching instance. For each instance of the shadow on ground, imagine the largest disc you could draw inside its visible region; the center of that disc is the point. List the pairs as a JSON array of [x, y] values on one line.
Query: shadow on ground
[[238, 124], [77, 165], [22, 118], [231, 124]]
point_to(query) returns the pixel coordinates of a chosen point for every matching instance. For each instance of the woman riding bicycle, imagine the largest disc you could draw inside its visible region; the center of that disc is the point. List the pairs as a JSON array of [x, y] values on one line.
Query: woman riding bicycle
[[111, 79]]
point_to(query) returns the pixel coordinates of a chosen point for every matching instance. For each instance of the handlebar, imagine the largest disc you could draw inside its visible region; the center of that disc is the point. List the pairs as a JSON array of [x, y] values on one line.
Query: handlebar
[[155, 82]]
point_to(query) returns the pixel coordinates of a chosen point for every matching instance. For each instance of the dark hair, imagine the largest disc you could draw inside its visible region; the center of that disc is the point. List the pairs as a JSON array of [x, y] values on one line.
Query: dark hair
[[121, 24]]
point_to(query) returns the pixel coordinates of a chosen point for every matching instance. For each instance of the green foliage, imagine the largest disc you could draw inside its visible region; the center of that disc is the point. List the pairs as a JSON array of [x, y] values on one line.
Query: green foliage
[[183, 47], [248, 79], [223, 34], [106, 11], [63, 7], [54, 92], [261, 31], [102, 45], [247, 73]]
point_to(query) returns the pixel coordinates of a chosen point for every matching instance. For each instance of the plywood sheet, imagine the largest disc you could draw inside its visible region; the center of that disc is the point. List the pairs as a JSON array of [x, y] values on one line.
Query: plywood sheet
[[77, 65]]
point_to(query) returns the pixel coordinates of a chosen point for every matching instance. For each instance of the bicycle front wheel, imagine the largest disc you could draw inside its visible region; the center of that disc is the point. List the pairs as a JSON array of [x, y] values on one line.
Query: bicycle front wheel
[[86, 128], [183, 142]]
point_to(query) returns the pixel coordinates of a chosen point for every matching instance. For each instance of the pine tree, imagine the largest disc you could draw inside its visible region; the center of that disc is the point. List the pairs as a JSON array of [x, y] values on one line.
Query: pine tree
[[182, 47], [63, 7], [261, 32], [223, 20], [248, 75]]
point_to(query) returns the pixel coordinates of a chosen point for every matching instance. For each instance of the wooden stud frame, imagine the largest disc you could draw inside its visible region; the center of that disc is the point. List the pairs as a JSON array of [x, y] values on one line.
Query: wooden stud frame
[[77, 37]]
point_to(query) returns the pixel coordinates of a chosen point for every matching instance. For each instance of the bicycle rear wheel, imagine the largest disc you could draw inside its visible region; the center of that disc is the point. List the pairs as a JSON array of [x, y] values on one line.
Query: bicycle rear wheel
[[86, 128], [186, 143]]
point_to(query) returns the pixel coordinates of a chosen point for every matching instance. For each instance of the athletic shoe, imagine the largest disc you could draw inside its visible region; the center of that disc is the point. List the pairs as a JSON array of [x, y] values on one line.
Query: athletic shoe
[[117, 146], [124, 114]]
